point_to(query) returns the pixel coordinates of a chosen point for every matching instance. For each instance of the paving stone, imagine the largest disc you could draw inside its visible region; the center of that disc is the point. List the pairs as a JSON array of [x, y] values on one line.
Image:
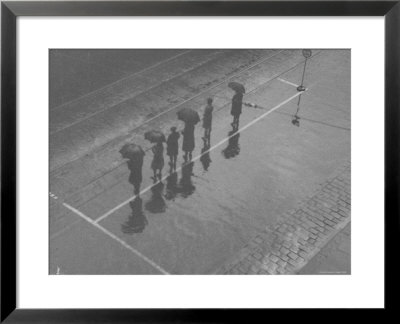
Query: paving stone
[[274, 258], [254, 269], [302, 241], [303, 254], [329, 223], [284, 247], [284, 250], [272, 268], [281, 229], [243, 268], [300, 260], [281, 263], [284, 257], [258, 240], [327, 230], [318, 222], [275, 248], [258, 255]]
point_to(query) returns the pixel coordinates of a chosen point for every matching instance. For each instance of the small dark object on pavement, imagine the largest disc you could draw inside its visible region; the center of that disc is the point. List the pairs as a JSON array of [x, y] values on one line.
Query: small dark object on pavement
[[252, 105], [301, 88]]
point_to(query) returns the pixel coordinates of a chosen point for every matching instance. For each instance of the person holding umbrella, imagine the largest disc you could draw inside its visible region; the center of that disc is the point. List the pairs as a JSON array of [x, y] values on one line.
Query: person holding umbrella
[[158, 160], [188, 141], [237, 100], [207, 120], [191, 118], [172, 147], [135, 154], [158, 150]]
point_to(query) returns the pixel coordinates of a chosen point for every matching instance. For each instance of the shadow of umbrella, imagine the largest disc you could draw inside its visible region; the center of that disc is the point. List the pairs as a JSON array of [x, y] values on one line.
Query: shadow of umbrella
[[156, 204], [137, 221], [233, 148]]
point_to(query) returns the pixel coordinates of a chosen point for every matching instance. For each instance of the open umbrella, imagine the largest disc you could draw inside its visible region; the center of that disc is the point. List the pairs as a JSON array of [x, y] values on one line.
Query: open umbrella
[[129, 151], [188, 115], [236, 86], [154, 136]]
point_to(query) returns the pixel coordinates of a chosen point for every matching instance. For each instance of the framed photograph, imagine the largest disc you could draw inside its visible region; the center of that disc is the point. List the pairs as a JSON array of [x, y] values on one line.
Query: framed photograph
[[164, 158]]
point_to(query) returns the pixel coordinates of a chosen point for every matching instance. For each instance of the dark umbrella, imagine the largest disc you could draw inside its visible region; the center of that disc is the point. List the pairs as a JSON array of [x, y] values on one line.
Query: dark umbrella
[[154, 136], [237, 87], [188, 115], [129, 151]]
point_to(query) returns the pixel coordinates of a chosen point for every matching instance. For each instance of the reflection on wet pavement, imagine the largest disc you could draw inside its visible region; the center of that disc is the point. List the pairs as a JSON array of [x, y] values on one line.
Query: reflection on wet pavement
[[156, 204], [233, 148], [186, 186], [205, 154], [172, 188], [137, 220]]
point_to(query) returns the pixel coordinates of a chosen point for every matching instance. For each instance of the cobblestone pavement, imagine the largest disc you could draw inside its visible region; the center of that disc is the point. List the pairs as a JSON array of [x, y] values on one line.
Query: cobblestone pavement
[[334, 257], [300, 233]]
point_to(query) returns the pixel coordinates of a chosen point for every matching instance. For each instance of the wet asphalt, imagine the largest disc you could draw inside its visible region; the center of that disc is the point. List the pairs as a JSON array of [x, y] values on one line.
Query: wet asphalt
[[201, 215]]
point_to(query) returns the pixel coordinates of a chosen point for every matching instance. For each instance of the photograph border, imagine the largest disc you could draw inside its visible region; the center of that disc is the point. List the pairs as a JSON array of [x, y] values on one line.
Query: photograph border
[[10, 11]]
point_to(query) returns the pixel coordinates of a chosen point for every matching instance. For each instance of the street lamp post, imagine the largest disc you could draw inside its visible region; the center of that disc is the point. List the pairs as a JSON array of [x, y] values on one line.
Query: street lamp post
[[306, 53]]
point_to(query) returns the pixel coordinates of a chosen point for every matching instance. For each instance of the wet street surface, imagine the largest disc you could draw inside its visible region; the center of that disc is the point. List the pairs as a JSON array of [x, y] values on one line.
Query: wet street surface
[[200, 216]]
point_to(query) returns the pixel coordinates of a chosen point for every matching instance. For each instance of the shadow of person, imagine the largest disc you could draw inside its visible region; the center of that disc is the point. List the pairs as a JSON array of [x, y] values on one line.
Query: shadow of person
[[186, 186], [171, 188], [137, 221], [205, 155], [233, 148], [156, 204]]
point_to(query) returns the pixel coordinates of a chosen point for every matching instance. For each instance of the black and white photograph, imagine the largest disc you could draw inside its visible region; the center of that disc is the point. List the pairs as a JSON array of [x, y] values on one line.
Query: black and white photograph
[[189, 161]]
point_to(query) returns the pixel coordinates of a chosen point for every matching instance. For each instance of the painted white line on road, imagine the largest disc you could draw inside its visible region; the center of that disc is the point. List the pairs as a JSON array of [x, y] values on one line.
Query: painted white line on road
[[288, 82], [116, 238], [123, 79], [199, 156]]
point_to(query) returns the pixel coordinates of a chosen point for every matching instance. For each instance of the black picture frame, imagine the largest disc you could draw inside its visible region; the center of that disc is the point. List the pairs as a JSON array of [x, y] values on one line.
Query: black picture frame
[[9, 13]]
